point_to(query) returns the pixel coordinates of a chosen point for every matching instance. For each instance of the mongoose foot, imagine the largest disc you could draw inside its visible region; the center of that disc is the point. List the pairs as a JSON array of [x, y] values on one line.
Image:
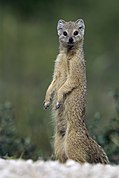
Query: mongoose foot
[[46, 104], [58, 105]]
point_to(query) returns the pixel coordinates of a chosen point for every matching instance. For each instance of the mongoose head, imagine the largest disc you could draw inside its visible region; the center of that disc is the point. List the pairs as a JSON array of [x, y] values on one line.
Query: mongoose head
[[70, 33]]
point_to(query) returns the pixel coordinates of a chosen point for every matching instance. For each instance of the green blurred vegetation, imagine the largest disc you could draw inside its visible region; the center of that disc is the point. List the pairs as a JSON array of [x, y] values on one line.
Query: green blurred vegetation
[[11, 144], [28, 48], [108, 138]]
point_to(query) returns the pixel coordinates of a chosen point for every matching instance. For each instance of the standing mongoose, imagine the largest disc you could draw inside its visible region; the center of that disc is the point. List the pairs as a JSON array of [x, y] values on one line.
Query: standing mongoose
[[67, 93]]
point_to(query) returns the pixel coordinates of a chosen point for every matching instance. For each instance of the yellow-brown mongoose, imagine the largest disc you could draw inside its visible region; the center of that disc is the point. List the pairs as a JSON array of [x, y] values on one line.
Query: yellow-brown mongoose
[[67, 93]]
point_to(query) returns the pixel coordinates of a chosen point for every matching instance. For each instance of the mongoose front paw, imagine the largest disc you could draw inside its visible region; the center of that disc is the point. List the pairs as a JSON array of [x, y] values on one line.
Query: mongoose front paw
[[46, 104], [58, 104]]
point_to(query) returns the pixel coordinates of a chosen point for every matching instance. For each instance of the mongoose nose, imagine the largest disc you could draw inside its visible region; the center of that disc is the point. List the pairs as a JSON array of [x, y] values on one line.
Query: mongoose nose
[[71, 40]]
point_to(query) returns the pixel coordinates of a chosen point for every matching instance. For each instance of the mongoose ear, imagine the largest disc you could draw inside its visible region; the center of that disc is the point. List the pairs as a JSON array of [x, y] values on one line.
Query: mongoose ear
[[80, 23], [60, 25]]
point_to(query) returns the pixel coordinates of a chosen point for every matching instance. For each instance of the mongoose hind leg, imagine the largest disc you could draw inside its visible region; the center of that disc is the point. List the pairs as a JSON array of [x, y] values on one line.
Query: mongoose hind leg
[[59, 147]]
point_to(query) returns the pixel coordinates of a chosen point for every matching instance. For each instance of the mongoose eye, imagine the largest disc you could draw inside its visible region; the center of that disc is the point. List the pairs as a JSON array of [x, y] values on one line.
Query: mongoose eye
[[65, 33], [76, 33]]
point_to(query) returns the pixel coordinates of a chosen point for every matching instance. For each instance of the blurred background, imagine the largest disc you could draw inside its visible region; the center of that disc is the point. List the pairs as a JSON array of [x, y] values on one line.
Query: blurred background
[[28, 48]]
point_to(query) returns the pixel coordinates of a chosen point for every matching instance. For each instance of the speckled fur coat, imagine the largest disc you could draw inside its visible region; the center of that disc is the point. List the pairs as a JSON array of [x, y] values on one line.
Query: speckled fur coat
[[67, 93]]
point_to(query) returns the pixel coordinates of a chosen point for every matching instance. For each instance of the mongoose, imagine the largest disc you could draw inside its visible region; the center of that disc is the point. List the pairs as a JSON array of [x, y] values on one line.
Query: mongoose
[[67, 93]]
